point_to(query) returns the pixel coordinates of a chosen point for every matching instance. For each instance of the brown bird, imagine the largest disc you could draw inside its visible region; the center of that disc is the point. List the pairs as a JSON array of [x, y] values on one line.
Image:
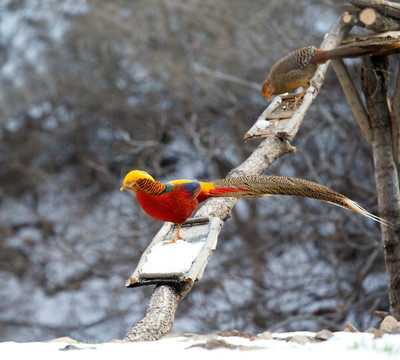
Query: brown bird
[[299, 67], [177, 200]]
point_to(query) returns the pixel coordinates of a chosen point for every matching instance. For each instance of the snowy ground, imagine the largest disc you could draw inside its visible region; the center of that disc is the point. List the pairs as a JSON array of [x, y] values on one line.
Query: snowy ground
[[342, 345]]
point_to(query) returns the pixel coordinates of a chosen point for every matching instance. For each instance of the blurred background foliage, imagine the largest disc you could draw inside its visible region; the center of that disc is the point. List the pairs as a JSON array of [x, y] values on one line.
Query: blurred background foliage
[[92, 89]]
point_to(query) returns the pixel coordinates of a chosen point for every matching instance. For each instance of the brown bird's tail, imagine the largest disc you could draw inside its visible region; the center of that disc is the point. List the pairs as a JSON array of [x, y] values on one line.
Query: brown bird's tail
[[258, 186], [378, 46]]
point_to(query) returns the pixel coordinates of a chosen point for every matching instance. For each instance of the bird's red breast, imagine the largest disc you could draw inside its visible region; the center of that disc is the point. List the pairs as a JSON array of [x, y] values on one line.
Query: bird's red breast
[[175, 204]]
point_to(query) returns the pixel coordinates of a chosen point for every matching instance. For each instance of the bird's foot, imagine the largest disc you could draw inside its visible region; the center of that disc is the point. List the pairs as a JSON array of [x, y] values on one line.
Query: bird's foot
[[176, 237], [173, 241], [289, 102], [293, 104], [295, 99]]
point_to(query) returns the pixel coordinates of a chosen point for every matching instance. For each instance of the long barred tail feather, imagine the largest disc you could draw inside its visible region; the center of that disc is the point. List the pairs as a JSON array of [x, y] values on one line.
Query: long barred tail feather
[[354, 206], [258, 186], [373, 46]]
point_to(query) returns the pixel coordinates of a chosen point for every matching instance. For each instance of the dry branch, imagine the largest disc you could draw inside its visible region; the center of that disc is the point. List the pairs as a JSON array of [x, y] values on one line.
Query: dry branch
[[374, 85], [353, 98], [368, 16], [160, 313], [350, 19], [373, 20], [388, 8]]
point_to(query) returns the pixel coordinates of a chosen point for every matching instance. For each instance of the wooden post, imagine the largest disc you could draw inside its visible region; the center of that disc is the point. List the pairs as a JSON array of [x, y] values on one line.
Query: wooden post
[[374, 85]]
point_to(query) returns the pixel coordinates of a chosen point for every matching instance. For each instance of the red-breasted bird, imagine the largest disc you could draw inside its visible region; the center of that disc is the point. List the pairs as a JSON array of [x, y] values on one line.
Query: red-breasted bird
[[176, 200], [299, 67]]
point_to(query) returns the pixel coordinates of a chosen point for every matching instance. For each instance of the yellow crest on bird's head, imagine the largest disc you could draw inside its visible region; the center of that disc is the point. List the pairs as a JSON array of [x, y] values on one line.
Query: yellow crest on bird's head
[[133, 176]]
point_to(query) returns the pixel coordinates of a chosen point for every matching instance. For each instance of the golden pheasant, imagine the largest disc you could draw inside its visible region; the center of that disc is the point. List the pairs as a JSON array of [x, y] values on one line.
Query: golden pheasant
[[299, 67], [176, 200]]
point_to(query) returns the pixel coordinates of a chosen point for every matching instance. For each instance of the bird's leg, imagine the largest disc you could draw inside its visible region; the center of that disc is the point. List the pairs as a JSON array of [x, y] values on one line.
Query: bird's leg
[[298, 98], [176, 237]]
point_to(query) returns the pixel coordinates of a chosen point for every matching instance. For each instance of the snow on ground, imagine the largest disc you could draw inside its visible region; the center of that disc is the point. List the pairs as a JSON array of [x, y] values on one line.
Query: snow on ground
[[342, 345]]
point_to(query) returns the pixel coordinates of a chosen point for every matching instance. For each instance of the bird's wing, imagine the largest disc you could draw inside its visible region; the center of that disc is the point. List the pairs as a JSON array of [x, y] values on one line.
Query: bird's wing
[[296, 60], [192, 187]]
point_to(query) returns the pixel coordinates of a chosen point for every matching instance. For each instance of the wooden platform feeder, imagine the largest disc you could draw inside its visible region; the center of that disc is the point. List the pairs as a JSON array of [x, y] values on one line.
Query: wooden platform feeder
[[184, 260]]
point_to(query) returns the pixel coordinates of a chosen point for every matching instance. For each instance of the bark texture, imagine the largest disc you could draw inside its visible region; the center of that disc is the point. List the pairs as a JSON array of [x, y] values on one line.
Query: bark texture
[[375, 87], [160, 314]]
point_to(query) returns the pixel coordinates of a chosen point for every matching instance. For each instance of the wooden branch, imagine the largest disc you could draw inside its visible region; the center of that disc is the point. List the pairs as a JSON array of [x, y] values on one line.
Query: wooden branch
[[353, 98], [373, 20], [160, 314], [368, 16], [388, 8], [390, 37], [351, 19], [374, 85]]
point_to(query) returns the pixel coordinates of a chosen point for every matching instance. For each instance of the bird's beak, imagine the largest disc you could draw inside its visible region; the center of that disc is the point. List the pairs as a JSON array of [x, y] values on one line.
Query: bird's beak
[[129, 185], [266, 90]]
